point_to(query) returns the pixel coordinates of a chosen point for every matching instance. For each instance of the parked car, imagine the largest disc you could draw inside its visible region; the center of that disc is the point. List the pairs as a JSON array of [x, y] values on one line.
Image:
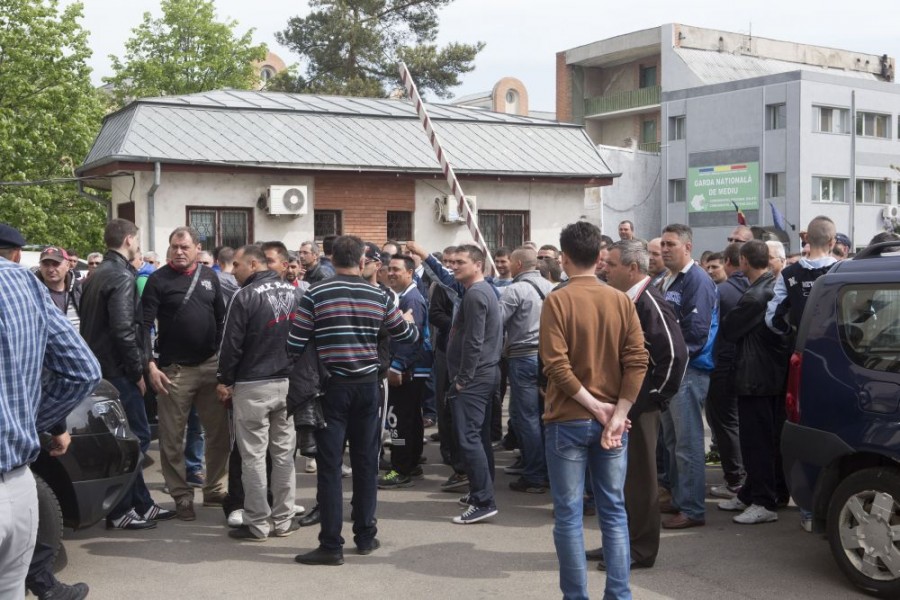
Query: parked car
[[79, 488], [841, 444]]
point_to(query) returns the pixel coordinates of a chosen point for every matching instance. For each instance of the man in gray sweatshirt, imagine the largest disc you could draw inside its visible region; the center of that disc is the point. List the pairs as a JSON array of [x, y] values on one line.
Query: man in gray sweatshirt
[[473, 356]]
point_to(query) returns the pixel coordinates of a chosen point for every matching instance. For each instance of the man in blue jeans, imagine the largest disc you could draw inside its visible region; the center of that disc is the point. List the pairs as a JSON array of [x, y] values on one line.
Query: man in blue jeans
[[592, 348]]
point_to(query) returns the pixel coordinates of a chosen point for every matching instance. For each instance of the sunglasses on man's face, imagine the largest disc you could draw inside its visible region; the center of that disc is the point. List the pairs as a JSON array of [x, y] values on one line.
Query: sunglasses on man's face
[[93, 264]]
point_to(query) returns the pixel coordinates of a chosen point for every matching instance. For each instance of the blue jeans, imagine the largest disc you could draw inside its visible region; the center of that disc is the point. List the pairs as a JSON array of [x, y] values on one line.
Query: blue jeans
[[682, 427], [525, 413], [193, 445], [570, 446], [351, 411], [138, 497]]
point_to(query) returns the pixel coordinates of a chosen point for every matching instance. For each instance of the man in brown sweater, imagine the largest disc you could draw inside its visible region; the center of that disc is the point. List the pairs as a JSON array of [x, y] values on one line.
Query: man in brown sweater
[[592, 348]]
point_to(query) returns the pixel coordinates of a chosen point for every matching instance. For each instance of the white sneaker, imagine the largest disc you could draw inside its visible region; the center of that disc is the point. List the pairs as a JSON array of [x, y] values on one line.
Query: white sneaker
[[311, 466], [756, 514], [724, 491], [236, 518], [346, 471], [298, 510], [733, 505]]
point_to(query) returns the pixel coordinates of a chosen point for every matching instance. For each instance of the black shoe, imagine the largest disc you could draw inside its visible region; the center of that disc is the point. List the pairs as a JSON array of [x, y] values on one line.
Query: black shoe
[[157, 513], [313, 517], [417, 473], [595, 554], [456, 482], [292, 527], [523, 485], [61, 591], [435, 437], [321, 557], [601, 562], [244, 533], [368, 548]]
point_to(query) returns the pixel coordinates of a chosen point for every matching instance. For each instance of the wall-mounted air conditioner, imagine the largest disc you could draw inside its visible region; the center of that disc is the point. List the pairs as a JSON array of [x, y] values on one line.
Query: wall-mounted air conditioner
[[446, 209], [288, 200]]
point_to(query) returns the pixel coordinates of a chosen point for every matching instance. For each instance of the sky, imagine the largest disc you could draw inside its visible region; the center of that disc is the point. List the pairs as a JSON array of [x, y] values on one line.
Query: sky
[[523, 36]]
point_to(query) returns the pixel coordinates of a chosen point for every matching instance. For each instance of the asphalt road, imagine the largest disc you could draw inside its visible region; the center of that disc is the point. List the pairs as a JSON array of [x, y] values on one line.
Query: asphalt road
[[424, 555]]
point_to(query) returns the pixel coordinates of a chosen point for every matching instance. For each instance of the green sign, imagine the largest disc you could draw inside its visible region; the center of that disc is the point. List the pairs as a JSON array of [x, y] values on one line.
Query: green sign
[[719, 188]]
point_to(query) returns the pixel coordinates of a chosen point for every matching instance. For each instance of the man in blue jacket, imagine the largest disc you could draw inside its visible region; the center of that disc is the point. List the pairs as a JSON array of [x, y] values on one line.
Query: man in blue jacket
[[694, 298]]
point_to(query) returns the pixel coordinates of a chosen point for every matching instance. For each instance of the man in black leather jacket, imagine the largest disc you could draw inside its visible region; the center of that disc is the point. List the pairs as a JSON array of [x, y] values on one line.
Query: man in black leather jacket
[[111, 325], [760, 373]]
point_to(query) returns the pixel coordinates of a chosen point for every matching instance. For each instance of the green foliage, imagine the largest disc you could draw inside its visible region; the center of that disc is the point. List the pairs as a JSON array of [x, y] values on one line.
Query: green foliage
[[185, 51], [351, 48], [49, 115]]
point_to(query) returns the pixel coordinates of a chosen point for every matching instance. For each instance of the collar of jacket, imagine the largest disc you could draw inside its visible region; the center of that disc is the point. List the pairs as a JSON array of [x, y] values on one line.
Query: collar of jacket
[[115, 256], [261, 276], [525, 275]]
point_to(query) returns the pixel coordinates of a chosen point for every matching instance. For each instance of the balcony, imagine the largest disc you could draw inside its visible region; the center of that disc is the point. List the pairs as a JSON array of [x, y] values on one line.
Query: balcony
[[622, 102]]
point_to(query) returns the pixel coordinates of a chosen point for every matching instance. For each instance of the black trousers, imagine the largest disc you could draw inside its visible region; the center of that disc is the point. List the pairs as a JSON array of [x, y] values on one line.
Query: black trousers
[[234, 499], [404, 421], [641, 489], [497, 404], [762, 418], [722, 416]]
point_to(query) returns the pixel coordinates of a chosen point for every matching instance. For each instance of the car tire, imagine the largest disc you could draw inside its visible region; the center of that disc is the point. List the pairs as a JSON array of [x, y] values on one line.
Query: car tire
[[863, 508], [50, 517]]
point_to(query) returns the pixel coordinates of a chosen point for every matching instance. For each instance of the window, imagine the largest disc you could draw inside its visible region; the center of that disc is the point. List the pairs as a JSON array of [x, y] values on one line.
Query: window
[[776, 116], [676, 127], [266, 73], [231, 227], [873, 125], [775, 185], [400, 225], [648, 77], [869, 323], [507, 229], [829, 189], [648, 132], [327, 222], [828, 119], [872, 191], [677, 190]]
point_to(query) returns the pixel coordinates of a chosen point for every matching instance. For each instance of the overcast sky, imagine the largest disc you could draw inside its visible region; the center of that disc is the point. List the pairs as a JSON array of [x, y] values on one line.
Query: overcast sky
[[523, 36]]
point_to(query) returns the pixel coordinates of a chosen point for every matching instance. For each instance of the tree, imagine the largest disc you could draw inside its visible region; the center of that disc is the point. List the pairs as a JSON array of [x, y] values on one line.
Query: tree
[[184, 52], [351, 48], [49, 115]]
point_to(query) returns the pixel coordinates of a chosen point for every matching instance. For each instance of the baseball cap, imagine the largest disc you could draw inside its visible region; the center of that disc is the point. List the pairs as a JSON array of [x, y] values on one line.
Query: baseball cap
[[10, 237], [372, 252], [53, 253], [842, 239]]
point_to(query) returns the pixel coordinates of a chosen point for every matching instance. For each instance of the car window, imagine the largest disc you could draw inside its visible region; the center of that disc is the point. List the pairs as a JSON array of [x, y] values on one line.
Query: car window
[[869, 321]]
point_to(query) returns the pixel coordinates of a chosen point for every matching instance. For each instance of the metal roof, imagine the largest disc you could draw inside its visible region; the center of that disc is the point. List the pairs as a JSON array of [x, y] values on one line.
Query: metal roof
[[719, 67], [265, 129]]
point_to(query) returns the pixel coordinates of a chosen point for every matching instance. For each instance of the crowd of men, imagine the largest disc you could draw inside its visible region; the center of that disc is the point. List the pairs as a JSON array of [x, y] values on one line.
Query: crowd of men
[[612, 352]]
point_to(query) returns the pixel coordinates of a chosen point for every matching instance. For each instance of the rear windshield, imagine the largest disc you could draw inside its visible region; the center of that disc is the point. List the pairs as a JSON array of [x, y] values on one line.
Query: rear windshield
[[869, 320]]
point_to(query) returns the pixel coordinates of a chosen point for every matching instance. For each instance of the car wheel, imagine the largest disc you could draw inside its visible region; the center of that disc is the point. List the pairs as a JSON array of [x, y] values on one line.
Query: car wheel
[[50, 518], [864, 530]]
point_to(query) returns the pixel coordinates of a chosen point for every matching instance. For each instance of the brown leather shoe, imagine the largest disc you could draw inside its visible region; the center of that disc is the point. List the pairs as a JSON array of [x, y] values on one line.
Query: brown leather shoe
[[214, 499], [682, 521], [184, 510], [664, 495], [667, 508]]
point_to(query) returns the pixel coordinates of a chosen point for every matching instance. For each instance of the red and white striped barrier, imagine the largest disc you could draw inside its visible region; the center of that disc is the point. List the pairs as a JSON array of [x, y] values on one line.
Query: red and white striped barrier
[[413, 92]]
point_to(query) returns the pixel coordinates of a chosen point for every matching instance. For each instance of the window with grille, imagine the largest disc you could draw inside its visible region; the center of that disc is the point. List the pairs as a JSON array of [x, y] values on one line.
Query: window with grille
[[400, 225], [327, 222], [508, 229], [231, 227]]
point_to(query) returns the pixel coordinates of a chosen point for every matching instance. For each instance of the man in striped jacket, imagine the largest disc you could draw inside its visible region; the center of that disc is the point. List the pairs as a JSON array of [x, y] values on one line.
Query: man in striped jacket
[[343, 315]]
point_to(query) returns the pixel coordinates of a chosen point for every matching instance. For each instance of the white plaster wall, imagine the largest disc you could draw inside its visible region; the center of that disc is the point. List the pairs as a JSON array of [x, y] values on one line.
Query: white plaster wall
[[635, 196], [552, 206]]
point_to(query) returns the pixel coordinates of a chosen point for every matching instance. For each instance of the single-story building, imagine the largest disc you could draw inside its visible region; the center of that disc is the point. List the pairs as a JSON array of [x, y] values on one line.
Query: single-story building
[[243, 166]]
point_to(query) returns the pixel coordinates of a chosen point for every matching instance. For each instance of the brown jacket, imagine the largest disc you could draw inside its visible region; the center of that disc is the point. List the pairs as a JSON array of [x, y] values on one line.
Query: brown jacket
[[591, 337]]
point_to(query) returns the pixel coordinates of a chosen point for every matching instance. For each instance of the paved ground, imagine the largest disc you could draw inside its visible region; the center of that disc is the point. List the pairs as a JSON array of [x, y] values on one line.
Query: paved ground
[[424, 555]]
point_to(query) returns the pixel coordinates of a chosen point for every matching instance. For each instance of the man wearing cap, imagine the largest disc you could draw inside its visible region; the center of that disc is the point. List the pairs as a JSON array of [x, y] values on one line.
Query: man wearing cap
[[64, 287], [842, 245], [46, 369]]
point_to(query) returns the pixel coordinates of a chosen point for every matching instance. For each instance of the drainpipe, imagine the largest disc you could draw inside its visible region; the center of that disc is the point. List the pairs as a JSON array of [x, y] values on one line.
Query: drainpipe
[[107, 204], [852, 189], [151, 207]]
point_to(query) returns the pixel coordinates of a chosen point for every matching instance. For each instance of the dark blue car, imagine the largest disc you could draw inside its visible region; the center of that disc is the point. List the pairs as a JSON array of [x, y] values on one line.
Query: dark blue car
[[841, 444]]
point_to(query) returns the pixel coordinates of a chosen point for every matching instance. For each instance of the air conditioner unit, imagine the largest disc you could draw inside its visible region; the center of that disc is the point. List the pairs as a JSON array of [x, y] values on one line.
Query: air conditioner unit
[[446, 209], [890, 212], [288, 200]]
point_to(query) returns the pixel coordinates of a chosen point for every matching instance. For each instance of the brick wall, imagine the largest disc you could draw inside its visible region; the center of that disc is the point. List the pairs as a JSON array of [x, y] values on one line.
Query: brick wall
[[563, 89], [364, 201]]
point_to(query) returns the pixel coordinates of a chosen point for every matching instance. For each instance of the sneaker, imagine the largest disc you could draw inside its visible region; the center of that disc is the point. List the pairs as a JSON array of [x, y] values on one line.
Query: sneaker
[[156, 513], [756, 514], [196, 479], [244, 533], [346, 471], [523, 485], [61, 591], [131, 521], [465, 501], [806, 523], [291, 528], [184, 510], [236, 518], [417, 473], [215, 499], [713, 458], [311, 466], [473, 514], [298, 510], [435, 437], [498, 445], [427, 422], [393, 480], [724, 491], [517, 468], [733, 505], [456, 482]]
